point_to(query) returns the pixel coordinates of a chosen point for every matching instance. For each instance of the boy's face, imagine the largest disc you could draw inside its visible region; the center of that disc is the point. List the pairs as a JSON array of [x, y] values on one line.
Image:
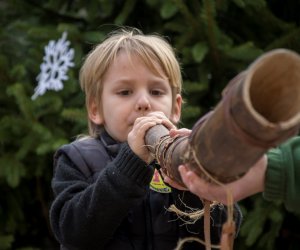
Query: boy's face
[[132, 90]]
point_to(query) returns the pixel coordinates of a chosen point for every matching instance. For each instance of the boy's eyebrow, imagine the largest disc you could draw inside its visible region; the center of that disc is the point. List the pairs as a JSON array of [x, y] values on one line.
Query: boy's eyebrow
[[153, 81], [160, 83]]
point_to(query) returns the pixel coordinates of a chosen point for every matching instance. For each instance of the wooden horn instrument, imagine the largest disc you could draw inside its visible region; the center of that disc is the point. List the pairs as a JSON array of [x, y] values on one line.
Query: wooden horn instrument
[[260, 109]]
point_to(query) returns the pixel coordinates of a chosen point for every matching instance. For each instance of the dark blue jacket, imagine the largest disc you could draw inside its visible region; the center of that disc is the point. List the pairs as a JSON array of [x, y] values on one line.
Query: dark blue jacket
[[103, 201]]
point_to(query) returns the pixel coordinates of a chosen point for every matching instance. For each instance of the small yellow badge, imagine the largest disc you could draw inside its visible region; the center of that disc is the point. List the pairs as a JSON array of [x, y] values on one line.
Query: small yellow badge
[[157, 184]]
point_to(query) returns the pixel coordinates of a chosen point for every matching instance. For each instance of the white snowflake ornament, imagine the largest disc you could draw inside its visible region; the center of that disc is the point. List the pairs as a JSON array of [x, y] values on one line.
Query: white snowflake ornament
[[56, 62]]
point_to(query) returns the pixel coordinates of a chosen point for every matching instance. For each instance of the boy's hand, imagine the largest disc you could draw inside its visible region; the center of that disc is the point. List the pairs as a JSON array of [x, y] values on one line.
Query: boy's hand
[[136, 137]]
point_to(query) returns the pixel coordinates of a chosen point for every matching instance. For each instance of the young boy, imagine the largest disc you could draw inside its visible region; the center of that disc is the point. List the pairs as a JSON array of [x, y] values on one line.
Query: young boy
[[108, 194]]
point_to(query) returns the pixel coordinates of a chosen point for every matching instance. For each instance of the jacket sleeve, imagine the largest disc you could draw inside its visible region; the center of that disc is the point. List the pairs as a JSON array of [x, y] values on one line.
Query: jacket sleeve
[[283, 175], [85, 213]]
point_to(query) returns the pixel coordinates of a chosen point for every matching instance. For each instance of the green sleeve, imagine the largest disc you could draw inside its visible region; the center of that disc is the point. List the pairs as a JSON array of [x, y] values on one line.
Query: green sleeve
[[283, 175]]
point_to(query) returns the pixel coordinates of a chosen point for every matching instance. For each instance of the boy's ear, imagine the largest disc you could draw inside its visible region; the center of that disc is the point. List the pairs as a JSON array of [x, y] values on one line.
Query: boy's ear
[[94, 113], [176, 114]]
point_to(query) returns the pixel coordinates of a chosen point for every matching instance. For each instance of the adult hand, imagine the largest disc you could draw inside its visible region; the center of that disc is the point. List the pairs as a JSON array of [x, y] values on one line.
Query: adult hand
[[172, 183], [179, 132], [251, 183]]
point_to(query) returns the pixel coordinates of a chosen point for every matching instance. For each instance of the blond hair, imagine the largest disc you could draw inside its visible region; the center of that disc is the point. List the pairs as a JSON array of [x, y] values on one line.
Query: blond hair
[[151, 49]]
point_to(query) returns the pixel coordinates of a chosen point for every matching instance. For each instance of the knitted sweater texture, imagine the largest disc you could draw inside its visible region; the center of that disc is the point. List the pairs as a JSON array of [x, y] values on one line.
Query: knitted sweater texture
[[103, 201]]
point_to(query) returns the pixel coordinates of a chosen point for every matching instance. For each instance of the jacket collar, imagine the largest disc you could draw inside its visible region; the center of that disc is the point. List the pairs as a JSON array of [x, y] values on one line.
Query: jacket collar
[[110, 144]]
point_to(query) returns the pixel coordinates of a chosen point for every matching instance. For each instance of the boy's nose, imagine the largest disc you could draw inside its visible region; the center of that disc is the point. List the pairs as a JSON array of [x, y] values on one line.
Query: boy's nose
[[143, 104]]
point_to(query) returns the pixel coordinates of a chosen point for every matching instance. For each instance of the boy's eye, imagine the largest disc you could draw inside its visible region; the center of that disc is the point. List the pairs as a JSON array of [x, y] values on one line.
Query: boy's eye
[[125, 92], [156, 92]]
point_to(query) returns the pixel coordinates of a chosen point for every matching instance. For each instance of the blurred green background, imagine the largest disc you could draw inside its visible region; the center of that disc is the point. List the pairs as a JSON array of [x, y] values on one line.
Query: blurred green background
[[214, 41]]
